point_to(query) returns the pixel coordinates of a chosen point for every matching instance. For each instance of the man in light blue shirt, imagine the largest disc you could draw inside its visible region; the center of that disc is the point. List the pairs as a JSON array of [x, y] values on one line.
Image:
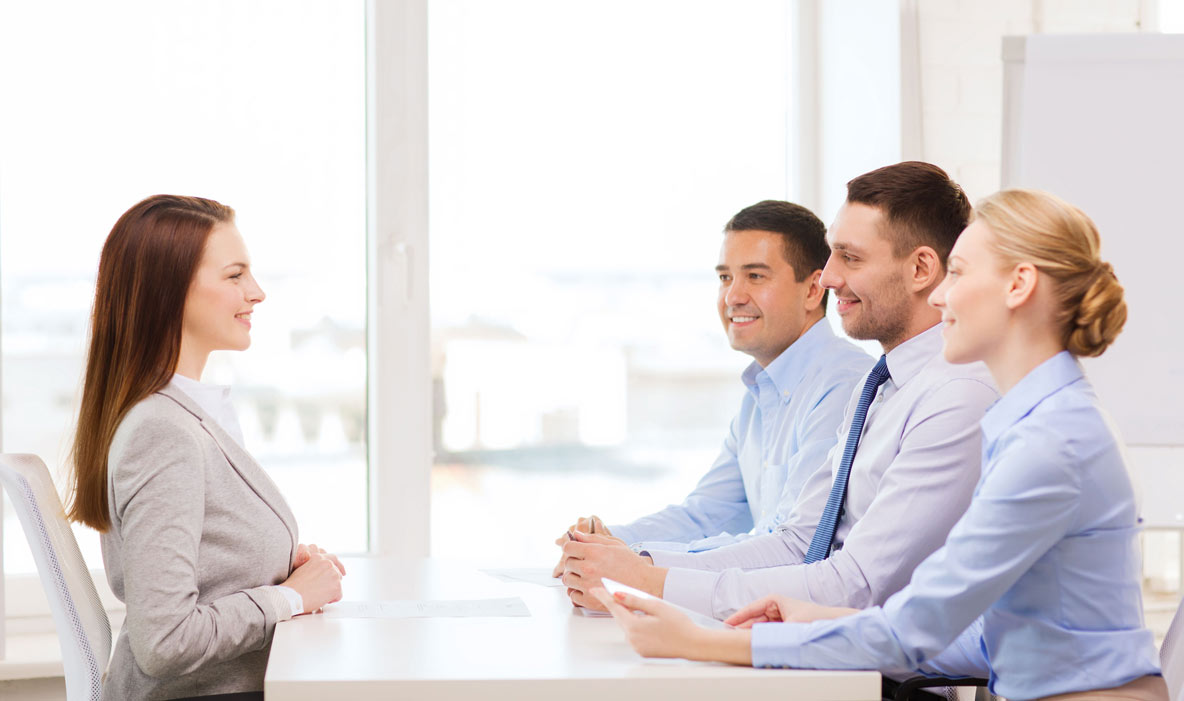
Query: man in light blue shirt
[[772, 308]]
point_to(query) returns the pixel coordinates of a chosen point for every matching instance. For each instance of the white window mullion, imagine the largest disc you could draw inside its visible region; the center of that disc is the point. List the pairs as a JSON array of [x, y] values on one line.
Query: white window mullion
[[399, 372]]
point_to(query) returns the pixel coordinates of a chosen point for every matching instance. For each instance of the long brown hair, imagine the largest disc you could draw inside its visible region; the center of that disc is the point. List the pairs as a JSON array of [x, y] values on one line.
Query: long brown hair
[[145, 271]]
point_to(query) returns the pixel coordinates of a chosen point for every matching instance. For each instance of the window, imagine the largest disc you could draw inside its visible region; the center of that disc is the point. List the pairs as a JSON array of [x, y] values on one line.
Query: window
[[584, 159], [260, 105]]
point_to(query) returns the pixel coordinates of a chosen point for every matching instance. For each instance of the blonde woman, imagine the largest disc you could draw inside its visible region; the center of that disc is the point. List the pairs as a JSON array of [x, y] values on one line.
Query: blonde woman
[[1037, 585]]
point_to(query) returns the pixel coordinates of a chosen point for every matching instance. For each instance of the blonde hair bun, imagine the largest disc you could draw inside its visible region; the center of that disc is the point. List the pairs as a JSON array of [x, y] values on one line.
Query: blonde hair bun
[[1063, 243], [1100, 316]]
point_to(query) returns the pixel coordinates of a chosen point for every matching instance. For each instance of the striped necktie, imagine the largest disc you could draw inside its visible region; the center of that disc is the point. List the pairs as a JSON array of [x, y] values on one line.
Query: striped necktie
[[825, 533]]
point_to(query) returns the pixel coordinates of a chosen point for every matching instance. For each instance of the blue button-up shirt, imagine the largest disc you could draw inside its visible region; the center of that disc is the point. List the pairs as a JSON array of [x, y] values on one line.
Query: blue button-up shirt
[[787, 423], [1047, 555]]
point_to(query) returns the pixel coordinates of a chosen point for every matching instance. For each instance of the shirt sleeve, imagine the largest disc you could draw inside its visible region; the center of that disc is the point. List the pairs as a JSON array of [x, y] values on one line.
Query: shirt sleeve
[[718, 504], [159, 495], [1021, 510], [927, 487], [693, 579]]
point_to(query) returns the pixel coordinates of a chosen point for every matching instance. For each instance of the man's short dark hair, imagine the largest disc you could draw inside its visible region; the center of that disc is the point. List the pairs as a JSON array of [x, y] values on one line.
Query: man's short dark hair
[[920, 204], [803, 235]]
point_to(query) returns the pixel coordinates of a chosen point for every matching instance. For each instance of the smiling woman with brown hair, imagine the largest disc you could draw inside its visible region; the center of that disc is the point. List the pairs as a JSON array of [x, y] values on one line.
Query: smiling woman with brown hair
[[197, 540]]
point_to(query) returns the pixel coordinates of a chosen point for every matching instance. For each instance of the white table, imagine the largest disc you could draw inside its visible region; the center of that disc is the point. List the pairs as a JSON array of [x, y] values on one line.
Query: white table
[[553, 655]]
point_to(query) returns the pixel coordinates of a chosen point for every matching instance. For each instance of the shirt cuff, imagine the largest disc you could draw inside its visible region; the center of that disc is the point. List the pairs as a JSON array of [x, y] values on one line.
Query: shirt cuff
[[777, 644], [672, 558], [650, 546], [690, 588], [288, 602]]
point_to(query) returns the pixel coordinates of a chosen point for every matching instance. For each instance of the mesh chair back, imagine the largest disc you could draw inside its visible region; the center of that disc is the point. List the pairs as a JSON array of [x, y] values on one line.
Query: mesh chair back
[[83, 628], [1171, 656]]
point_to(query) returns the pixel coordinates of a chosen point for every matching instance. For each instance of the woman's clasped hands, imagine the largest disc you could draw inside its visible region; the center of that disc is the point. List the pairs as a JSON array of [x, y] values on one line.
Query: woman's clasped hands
[[316, 576]]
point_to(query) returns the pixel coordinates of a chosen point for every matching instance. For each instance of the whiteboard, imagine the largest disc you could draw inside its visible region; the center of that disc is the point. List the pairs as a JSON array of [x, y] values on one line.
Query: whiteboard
[[1099, 121]]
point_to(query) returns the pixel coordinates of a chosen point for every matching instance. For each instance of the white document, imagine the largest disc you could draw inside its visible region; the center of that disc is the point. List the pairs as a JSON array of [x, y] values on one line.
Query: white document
[[468, 608], [613, 586], [533, 575]]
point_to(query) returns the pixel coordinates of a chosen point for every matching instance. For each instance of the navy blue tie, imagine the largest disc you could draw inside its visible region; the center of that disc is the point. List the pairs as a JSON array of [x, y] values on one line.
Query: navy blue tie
[[825, 533]]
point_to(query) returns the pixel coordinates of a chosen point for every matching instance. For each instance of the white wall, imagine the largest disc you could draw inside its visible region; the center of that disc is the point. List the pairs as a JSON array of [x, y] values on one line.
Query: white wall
[[961, 72]]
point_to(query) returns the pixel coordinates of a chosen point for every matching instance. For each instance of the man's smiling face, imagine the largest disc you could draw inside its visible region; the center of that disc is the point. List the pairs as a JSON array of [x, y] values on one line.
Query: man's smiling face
[[867, 277], [761, 303]]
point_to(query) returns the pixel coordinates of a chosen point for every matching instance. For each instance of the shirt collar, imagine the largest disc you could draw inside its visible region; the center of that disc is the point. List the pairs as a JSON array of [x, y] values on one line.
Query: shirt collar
[[789, 369], [907, 359], [1044, 380], [195, 388]]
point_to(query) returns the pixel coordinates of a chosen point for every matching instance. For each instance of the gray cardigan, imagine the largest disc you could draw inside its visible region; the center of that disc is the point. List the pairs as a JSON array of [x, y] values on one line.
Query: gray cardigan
[[197, 529]]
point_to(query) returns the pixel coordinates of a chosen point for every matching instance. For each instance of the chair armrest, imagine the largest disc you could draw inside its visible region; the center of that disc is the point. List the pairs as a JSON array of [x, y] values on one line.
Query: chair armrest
[[910, 689]]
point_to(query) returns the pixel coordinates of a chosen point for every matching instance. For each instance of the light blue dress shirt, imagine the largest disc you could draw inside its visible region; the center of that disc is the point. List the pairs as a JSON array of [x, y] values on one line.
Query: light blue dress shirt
[[1037, 584], [787, 424]]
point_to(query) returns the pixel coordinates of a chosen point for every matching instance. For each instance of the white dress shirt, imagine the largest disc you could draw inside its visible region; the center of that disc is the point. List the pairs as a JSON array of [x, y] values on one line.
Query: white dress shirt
[[918, 461], [215, 401]]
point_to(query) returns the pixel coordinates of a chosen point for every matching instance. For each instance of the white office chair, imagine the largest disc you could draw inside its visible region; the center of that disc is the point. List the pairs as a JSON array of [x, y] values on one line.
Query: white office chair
[[83, 629], [1171, 656]]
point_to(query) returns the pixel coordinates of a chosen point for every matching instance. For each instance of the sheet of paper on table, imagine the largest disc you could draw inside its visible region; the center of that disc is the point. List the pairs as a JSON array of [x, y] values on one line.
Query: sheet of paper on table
[[533, 575], [468, 608]]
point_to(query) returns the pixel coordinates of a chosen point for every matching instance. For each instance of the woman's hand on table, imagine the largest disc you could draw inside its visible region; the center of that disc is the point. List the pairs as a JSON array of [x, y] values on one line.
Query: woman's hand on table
[[656, 629], [782, 609]]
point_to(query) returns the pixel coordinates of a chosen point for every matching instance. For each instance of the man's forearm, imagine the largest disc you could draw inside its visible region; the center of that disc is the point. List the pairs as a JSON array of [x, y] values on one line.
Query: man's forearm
[[654, 579]]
